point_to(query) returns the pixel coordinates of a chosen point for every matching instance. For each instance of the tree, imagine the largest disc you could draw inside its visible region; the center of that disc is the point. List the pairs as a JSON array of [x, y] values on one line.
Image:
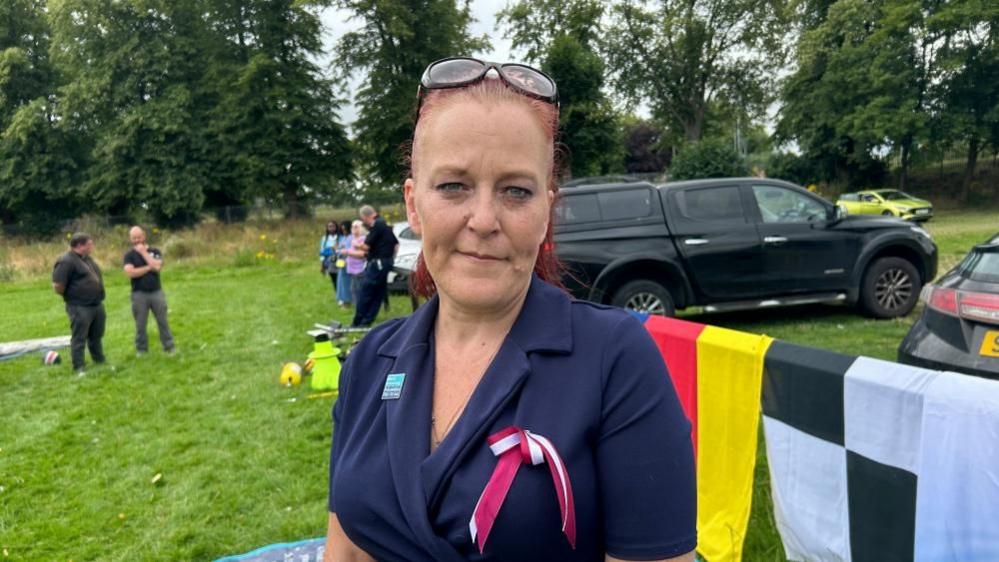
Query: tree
[[967, 90], [39, 169], [25, 72], [38, 159], [644, 150], [713, 158], [396, 42], [562, 38], [860, 87], [133, 71], [680, 56], [277, 116]]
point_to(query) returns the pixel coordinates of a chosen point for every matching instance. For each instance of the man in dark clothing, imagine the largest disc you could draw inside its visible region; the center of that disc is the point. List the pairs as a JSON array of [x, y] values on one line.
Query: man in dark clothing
[[381, 246], [142, 266], [78, 279]]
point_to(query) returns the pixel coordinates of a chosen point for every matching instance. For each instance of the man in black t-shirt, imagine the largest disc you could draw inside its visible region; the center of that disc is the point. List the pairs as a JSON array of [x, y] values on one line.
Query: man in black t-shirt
[[381, 246], [142, 266], [78, 279]]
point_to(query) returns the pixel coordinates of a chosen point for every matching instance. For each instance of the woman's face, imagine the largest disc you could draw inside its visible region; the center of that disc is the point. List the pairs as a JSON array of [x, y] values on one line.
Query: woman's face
[[331, 228], [355, 229], [479, 199]]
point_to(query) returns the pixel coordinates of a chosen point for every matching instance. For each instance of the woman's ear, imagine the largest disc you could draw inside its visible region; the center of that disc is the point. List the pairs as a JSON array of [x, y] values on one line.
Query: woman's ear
[[408, 189]]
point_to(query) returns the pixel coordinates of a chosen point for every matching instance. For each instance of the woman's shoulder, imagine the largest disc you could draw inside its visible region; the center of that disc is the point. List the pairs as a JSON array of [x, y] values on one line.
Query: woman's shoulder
[[603, 320]]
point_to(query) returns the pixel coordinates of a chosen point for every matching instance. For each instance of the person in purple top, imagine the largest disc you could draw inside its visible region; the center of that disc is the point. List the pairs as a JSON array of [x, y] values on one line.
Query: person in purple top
[[355, 256], [503, 421]]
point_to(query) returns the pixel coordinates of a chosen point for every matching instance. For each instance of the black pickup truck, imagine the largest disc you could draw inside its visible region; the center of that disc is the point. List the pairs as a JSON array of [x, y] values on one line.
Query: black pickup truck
[[735, 243]]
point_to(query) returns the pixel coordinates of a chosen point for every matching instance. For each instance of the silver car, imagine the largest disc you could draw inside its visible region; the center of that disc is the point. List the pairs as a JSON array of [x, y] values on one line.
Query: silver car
[[405, 260]]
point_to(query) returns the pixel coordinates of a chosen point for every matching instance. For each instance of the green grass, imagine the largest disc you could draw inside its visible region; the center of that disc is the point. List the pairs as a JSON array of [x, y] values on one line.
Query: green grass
[[243, 460]]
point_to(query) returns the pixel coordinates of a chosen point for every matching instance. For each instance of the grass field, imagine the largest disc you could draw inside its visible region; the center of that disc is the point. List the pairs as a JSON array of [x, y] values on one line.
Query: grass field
[[242, 461]]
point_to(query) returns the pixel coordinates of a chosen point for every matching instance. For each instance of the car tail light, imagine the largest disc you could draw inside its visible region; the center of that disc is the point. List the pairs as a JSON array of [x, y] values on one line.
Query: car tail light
[[983, 307], [943, 300], [980, 306]]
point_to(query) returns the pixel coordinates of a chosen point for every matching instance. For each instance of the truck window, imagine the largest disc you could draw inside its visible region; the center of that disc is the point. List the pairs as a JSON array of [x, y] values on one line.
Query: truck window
[[575, 209], [625, 204], [715, 204], [781, 205]]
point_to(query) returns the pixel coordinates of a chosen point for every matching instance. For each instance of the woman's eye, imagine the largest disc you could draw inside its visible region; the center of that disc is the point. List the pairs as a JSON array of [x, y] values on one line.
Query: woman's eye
[[452, 187], [519, 192]]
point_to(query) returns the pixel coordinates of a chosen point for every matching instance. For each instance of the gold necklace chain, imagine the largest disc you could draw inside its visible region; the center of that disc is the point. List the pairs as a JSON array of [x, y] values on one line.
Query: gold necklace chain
[[461, 408]]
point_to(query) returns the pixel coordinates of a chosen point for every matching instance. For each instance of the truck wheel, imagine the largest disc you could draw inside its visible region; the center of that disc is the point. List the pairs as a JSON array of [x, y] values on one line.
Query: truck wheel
[[890, 288], [645, 296]]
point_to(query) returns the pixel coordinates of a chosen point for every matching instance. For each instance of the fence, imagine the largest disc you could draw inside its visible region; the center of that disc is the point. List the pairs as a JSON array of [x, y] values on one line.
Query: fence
[[868, 459]]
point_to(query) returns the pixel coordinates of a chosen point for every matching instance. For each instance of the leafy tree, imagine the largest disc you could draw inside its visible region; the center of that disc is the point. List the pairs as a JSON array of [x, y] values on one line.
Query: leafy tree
[[967, 91], [25, 71], [644, 148], [855, 89], [396, 42], [714, 158], [681, 56], [277, 117], [37, 166], [562, 38], [133, 69], [39, 169]]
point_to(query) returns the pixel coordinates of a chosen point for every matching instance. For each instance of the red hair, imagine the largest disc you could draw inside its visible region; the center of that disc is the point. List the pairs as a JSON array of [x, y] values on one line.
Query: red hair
[[547, 266]]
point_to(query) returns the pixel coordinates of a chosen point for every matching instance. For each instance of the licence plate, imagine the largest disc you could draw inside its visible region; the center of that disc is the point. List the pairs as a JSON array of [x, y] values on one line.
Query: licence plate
[[922, 211], [990, 345]]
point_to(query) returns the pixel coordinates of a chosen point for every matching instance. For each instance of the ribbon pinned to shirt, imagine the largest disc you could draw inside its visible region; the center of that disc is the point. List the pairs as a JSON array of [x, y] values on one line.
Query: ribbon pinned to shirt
[[515, 446]]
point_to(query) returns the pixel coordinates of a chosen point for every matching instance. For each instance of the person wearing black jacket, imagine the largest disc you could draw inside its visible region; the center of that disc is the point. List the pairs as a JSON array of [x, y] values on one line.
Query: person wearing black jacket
[[381, 246], [77, 277]]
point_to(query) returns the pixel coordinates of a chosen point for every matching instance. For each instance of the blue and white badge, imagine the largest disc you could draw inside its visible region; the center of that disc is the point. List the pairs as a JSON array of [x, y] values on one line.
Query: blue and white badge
[[393, 386]]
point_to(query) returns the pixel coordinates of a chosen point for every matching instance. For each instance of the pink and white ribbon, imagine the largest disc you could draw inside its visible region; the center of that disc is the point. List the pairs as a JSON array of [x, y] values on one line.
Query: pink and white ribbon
[[515, 446]]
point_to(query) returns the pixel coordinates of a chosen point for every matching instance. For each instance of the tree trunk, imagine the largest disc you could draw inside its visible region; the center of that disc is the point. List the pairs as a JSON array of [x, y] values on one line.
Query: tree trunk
[[903, 178], [969, 169], [693, 126], [294, 207]]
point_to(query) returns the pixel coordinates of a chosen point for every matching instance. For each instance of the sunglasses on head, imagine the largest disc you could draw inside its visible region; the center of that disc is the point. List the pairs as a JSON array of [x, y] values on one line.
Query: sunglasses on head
[[456, 72]]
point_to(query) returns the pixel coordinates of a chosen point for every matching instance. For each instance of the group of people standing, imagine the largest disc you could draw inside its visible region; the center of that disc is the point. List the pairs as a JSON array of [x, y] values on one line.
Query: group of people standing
[[358, 256], [78, 278], [342, 254]]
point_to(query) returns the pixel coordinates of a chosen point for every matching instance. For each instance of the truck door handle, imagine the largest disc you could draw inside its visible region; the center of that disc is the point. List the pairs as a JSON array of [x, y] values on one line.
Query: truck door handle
[[774, 240], [695, 241]]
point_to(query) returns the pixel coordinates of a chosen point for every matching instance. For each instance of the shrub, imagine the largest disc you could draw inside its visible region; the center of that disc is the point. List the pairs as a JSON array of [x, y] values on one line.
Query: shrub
[[707, 159]]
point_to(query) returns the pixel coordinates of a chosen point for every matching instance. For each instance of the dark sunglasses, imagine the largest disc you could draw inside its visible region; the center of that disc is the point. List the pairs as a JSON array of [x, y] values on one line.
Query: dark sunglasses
[[456, 72]]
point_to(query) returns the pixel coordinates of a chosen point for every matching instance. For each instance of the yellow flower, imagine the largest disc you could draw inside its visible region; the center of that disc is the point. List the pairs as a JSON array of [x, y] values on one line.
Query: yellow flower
[[263, 237]]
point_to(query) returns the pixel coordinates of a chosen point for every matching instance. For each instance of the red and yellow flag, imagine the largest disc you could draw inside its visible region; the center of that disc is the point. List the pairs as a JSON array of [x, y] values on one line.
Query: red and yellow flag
[[717, 374]]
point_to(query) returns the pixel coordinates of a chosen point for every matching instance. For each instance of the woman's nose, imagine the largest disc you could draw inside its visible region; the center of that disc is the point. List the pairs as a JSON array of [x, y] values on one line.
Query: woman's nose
[[484, 218]]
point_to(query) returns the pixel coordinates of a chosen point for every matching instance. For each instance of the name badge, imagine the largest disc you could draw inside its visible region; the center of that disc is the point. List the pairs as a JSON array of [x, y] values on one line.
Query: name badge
[[393, 386]]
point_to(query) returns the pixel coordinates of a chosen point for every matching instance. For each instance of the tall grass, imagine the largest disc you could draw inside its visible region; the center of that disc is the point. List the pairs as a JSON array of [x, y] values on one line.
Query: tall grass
[[248, 243]]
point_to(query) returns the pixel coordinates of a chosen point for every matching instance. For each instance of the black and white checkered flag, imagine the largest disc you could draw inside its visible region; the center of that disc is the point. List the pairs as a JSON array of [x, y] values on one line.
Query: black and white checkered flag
[[872, 460]]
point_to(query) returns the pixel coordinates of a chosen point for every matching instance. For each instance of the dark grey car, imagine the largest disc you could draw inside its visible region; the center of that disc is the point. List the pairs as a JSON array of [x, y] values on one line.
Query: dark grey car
[[959, 327]]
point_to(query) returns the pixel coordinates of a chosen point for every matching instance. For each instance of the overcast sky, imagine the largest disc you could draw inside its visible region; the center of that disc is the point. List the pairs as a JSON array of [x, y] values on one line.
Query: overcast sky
[[484, 11]]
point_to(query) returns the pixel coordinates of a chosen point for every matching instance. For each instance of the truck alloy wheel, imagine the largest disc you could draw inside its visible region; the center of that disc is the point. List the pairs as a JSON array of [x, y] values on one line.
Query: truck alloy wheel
[[890, 288], [645, 296]]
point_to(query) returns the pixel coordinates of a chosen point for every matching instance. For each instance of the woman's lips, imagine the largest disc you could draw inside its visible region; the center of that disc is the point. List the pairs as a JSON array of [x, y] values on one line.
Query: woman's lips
[[480, 257]]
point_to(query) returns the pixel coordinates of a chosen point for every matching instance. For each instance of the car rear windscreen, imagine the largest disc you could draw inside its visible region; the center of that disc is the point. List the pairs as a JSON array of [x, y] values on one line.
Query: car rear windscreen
[[981, 265]]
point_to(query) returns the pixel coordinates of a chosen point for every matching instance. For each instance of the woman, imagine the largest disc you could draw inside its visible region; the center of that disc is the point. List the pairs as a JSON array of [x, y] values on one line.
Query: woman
[[444, 417], [327, 249], [355, 256], [344, 295]]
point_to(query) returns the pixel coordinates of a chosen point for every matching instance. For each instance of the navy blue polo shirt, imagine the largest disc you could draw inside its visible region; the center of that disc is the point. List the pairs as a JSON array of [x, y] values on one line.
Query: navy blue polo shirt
[[587, 377]]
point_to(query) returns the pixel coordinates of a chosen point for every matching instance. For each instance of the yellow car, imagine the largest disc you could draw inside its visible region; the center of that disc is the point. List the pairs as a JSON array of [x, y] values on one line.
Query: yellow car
[[886, 202]]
